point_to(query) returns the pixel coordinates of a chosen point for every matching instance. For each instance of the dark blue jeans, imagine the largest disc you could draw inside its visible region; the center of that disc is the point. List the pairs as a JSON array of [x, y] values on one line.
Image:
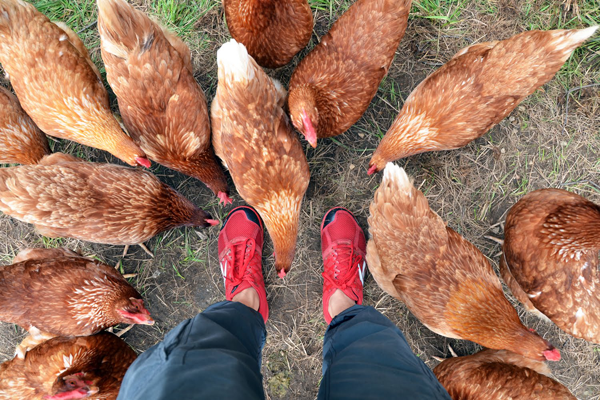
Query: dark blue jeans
[[217, 355]]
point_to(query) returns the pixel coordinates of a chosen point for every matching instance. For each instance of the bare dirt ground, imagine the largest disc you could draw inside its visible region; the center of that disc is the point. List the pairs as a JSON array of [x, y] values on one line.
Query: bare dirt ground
[[551, 140]]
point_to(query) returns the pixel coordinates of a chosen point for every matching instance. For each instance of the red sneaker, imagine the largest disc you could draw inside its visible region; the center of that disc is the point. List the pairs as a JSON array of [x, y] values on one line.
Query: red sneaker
[[240, 255], [344, 247]]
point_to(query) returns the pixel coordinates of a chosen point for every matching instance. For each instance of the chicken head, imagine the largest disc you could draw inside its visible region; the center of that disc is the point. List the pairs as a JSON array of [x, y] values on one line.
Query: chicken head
[[134, 312], [74, 386], [304, 113]]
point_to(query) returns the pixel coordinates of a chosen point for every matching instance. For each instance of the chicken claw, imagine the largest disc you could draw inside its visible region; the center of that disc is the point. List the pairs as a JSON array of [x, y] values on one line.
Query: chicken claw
[[142, 245]]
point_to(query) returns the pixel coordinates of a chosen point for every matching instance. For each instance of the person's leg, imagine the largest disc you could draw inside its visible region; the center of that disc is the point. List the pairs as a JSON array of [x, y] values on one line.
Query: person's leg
[[217, 354], [365, 356]]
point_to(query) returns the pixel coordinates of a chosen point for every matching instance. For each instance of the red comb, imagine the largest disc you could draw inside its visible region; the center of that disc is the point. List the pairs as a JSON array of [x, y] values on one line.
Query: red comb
[[143, 161], [552, 355], [224, 199]]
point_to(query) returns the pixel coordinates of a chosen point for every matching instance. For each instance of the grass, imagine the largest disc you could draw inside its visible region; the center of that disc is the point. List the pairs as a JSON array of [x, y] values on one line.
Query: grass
[[444, 12], [471, 188]]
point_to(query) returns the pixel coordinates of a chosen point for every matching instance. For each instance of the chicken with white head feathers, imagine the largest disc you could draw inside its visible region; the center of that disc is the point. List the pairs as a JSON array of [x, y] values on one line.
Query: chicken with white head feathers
[[254, 138], [443, 279]]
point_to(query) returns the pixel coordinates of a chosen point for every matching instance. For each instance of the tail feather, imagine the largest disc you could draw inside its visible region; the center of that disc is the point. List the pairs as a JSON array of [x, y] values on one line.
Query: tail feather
[[569, 40], [399, 192], [123, 28], [395, 175], [235, 63]]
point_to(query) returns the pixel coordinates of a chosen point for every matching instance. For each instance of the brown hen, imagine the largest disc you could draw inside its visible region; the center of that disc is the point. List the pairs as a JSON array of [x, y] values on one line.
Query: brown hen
[[162, 105], [499, 375], [54, 292], [253, 137], [57, 83], [90, 367], [21, 141], [273, 31], [443, 279], [474, 91], [334, 84], [102, 203], [550, 261]]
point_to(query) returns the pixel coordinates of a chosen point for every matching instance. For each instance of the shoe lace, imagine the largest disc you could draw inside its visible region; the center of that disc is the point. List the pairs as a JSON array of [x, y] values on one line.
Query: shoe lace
[[343, 261], [241, 252]]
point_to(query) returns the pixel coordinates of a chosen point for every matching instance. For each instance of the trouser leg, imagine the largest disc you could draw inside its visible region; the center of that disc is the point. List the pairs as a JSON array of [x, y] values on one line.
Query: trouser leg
[[215, 355], [365, 356]]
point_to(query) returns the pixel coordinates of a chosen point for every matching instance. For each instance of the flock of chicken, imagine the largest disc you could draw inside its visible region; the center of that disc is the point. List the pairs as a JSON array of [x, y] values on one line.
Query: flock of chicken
[[552, 237]]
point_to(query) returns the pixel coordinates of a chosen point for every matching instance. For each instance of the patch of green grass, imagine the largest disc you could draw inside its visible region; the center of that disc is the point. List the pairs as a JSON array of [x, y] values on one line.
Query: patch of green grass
[[190, 255], [53, 243], [182, 16], [332, 7], [76, 14], [443, 11], [177, 271]]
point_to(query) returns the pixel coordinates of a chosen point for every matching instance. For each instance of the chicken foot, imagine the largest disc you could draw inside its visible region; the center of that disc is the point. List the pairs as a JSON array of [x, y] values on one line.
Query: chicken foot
[[452, 352], [142, 245], [122, 331]]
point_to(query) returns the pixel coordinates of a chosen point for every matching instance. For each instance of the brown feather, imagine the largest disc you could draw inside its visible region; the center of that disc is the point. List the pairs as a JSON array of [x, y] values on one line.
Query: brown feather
[[341, 75], [443, 279], [162, 105], [102, 358], [552, 239], [260, 149], [102, 203], [474, 91], [273, 31], [52, 75], [21, 141], [499, 375]]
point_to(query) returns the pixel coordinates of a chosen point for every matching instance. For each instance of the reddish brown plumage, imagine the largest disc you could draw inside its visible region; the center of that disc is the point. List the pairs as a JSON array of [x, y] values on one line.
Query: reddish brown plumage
[[273, 31], [253, 137], [499, 375], [62, 294], [335, 83], [162, 105], [550, 261], [102, 203], [99, 361], [57, 83], [474, 91], [444, 280], [21, 141]]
